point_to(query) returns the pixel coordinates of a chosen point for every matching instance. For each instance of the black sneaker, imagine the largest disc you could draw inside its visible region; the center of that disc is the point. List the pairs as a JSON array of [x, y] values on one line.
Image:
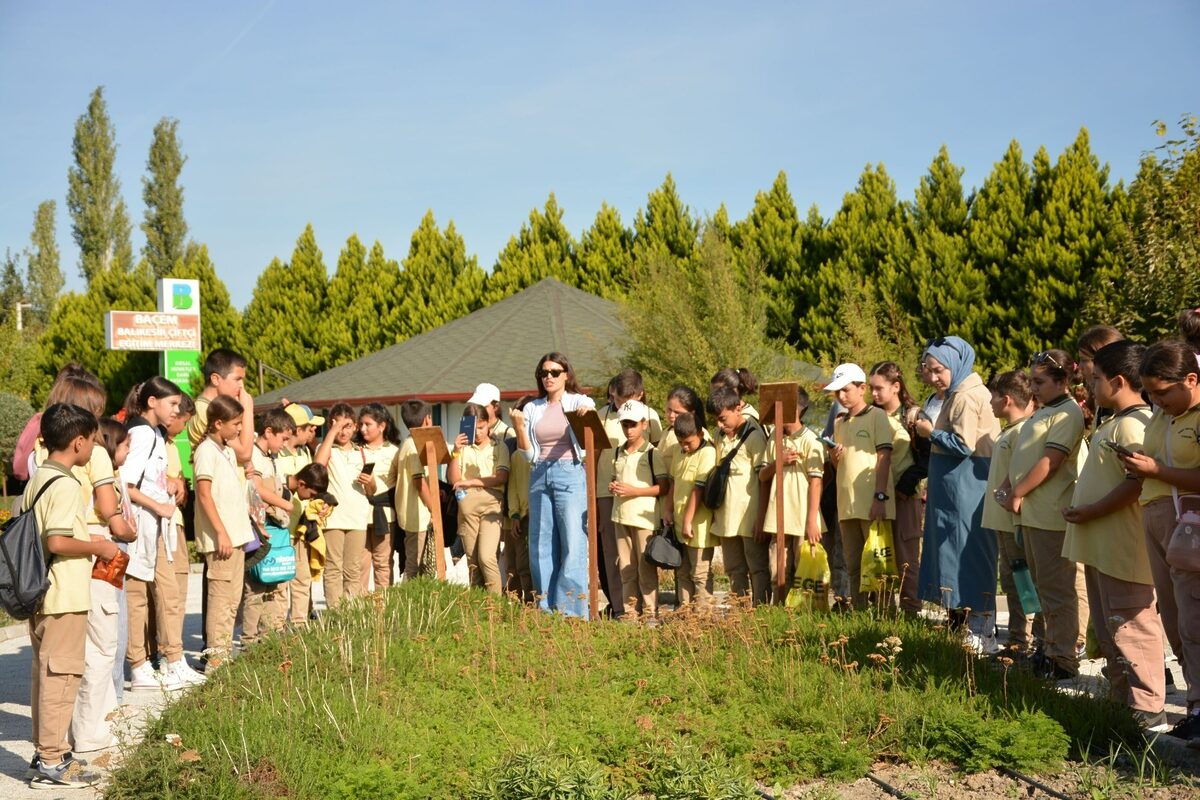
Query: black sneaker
[[1187, 729], [69, 774]]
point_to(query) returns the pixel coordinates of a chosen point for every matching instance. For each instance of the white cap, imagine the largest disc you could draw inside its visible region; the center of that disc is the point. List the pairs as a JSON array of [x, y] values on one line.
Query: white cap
[[632, 411], [844, 375], [485, 394]]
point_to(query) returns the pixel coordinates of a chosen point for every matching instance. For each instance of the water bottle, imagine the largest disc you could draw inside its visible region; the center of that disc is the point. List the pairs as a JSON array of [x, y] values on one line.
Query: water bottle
[[460, 494], [1025, 588]]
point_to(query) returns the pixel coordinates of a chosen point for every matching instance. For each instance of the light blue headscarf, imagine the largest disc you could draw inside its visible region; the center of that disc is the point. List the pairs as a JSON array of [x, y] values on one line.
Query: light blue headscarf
[[955, 355]]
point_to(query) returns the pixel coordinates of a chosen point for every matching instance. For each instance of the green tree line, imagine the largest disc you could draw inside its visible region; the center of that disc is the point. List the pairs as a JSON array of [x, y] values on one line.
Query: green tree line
[[1041, 249]]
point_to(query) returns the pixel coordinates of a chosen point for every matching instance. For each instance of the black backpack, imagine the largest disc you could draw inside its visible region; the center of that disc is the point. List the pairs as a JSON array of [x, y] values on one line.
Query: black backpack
[[24, 572], [718, 480]]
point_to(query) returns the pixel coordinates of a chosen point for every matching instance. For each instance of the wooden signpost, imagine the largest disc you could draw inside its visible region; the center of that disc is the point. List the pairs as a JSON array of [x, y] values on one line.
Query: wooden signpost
[[432, 444], [778, 402], [589, 432]]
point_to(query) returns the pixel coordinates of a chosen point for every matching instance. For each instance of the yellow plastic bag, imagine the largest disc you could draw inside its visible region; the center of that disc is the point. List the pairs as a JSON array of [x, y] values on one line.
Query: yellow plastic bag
[[879, 558], [810, 587]]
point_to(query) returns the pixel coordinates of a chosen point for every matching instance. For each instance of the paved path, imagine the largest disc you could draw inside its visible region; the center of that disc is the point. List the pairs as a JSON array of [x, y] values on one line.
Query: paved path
[[16, 749]]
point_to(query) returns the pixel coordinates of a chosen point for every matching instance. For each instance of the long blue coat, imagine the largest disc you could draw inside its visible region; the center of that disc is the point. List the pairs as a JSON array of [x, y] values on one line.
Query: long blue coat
[[958, 557]]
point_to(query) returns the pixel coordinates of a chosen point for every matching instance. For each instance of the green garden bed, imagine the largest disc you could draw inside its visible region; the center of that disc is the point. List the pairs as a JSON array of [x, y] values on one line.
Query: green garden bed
[[433, 691]]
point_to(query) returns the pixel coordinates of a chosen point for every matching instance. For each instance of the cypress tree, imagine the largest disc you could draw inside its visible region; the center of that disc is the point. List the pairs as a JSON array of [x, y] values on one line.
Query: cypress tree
[[951, 292], [865, 240], [996, 232], [543, 248], [220, 321], [771, 237], [363, 304], [164, 225], [441, 283], [1070, 242], [605, 261], [100, 222], [43, 276], [12, 289], [665, 227], [283, 320]]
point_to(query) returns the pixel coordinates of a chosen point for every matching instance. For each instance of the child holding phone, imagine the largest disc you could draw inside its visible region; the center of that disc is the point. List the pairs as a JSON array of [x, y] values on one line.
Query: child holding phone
[[479, 470], [346, 528], [380, 440]]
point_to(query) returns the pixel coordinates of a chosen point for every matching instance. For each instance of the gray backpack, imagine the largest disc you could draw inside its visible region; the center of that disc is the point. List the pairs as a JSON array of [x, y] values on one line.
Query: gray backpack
[[24, 572]]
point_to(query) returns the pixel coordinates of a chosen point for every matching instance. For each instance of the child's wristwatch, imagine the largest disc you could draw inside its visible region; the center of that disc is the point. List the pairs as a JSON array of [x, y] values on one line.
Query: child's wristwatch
[[881, 496]]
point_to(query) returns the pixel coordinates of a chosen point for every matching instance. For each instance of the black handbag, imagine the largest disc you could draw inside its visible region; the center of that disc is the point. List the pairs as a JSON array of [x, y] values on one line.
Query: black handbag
[[718, 479], [663, 549]]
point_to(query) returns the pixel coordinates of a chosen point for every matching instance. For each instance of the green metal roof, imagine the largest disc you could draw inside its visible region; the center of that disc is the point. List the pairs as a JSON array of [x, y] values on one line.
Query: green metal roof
[[499, 344]]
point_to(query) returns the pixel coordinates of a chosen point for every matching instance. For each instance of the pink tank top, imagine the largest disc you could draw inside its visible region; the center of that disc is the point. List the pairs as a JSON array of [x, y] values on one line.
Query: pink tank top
[[554, 435]]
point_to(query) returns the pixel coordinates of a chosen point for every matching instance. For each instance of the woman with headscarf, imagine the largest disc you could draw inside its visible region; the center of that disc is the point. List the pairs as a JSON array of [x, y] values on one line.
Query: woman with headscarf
[[958, 557]]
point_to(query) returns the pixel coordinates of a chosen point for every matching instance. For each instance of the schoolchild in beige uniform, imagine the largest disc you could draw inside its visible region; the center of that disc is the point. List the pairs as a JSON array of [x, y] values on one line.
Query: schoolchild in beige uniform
[[803, 471], [264, 608], [346, 528], [694, 460], [478, 471], [91, 728], [1042, 474], [1170, 468], [1087, 345], [488, 396], [863, 459], [638, 480], [224, 376], [1105, 534], [889, 392], [1012, 403], [747, 561], [58, 630], [519, 580], [683, 400], [223, 526], [415, 493], [625, 385], [380, 439], [150, 408], [295, 457]]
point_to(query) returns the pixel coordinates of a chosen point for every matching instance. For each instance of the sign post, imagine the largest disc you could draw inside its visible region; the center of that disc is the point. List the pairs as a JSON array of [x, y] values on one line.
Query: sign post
[[779, 408], [432, 444], [173, 331], [589, 430]]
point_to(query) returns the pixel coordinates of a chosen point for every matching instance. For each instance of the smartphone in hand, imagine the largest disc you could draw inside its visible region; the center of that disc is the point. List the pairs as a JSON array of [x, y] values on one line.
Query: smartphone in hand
[[1117, 447], [368, 468], [466, 427]]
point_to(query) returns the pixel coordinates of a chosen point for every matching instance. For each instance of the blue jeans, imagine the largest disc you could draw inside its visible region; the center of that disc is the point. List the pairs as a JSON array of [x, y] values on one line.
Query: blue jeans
[[558, 543]]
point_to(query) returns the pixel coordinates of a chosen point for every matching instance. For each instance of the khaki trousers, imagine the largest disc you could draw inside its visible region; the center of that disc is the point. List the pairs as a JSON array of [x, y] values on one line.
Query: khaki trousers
[[906, 536], [610, 565], [300, 587], [414, 552], [479, 518], [693, 579], [97, 698], [516, 547], [854, 538], [1062, 593], [1019, 634], [377, 560], [343, 561], [639, 578], [58, 664], [264, 609], [748, 564], [1178, 594], [1131, 639], [225, 580]]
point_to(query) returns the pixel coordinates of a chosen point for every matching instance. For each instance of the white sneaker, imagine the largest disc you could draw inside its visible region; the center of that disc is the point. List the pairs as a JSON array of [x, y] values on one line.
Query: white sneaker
[[145, 677], [983, 645], [186, 675]]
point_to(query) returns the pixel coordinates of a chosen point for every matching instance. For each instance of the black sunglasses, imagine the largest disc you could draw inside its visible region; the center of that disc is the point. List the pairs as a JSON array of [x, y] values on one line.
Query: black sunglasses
[[1044, 358], [551, 373]]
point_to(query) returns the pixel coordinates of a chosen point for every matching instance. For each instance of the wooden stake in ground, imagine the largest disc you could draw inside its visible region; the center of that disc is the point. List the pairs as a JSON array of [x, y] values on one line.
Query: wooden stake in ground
[[432, 443], [779, 407], [589, 430]]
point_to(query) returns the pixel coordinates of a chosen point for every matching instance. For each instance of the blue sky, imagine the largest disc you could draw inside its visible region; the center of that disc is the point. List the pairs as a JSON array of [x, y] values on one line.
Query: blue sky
[[359, 117]]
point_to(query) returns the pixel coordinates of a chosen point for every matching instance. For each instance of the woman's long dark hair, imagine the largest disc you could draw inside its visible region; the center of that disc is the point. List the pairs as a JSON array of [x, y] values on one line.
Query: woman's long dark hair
[[138, 399], [890, 372], [688, 398], [558, 358]]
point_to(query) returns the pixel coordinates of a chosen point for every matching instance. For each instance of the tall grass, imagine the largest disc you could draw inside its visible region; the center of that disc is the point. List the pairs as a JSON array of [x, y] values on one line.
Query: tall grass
[[429, 690]]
